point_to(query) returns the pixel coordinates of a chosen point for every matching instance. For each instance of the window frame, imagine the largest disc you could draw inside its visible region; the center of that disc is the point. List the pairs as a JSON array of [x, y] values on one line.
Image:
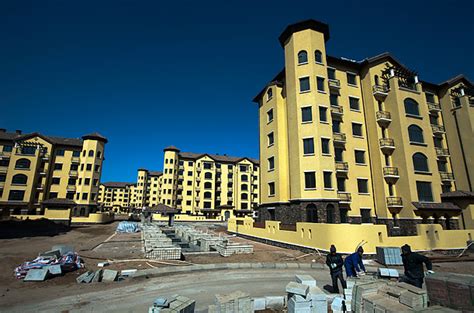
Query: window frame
[[323, 80], [305, 180], [300, 85], [310, 107], [302, 53], [361, 129], [355, 78], [272, 159], [324, 139], [358, 104], [303, 141]]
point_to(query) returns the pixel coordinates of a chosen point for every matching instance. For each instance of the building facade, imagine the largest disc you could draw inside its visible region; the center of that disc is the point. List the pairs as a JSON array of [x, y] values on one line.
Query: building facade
[[115, 196], [343, 141], [35, 168]]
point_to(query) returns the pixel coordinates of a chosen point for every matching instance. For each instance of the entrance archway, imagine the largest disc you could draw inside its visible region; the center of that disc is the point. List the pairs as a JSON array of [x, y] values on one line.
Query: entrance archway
[[311, 213]]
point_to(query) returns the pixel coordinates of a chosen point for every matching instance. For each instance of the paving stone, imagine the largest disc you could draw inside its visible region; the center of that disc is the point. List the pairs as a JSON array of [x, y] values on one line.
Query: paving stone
[[281, 265], [305, 280], [109, 275], [316, 294], [297, 289], [298, 304], [292, 265], [129, 272], [34, 274], [97, 276], [83, 276], [55, 269], [274, 302], [52, 253], [63, 249], [259, 304]]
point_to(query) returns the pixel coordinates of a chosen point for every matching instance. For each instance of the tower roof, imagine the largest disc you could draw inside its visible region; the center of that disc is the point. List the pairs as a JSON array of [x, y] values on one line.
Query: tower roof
[[95, 136], [303, 25], [171, 148]]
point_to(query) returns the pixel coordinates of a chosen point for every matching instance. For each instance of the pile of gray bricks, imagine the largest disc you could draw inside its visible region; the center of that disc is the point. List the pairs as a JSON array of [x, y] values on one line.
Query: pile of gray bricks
[[156, 245], [173, 304], [305, 297], [236, 302], [227, 248]]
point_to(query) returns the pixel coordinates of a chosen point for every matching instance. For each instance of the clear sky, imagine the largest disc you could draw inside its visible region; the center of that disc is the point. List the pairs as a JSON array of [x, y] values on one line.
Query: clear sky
[[148, 74]]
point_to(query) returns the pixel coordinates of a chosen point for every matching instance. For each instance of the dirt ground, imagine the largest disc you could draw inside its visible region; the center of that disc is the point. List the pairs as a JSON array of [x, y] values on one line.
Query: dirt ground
[[99, 243]]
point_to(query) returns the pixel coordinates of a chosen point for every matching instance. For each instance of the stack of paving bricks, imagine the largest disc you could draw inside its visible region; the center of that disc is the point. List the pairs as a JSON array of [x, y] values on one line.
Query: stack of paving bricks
[[209, 243], [174, 304], [204, 240], [389, 255], [236, 302], [157, 246], [451, 290], [227, 248], [305, 297]]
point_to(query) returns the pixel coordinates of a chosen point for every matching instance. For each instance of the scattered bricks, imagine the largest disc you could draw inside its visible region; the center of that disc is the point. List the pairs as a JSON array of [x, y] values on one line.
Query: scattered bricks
[[226, 249], [97, 276], [39, 274], [316, 294], [275, 302], [63, 249], [258, 304], [298, 304], [82, 278], [237, 301], [297, 289], [109, 275], [52, 253], [436, 285], [129, 272], [306, 280]]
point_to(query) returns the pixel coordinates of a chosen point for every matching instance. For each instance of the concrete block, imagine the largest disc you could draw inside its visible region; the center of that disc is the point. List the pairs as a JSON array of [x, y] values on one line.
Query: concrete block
[[97, 276], [297, 289], [103, 264], [54, 269], [39, 274], [109, 275], [259, 304], [274, 302], [306, 280], [83, 277], [63, 249], [337, 304], [316, 294], [298, 304], [129, 272], [52, 253]]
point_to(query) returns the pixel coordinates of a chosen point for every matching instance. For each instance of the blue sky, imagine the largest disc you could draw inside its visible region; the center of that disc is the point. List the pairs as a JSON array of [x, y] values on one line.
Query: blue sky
[[148, 74]]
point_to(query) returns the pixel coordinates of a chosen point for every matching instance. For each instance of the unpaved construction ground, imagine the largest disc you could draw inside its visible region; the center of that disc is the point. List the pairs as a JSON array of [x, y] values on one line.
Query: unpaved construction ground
[[99, 243]]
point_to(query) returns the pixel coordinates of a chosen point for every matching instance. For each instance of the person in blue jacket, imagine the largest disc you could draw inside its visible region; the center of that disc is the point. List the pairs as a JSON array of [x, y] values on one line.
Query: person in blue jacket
[[353, 263]]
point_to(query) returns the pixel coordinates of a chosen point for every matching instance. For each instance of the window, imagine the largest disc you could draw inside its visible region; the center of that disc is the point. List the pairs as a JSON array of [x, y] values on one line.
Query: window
[[302, 57], [56, 181], [308, 146], [96, 168], [336, 126], [19, 179], [84, 196], [89, 167], [351, 79], [243, 168], [87, 181], [327, 180], [207, 166], [60, 152], [7, 148], [99, 154], [207, 195], [357, 129], [76, 153], [415, 133], [306, 115], [323, 114], [16, 195], [28, 150], [270, 115], [362, 185], [341, 184], [271, 139], [359, 156], [334, 99], [420, 162], [310, 180], [4, 162], [230, 167], [424, 191], [71, 181], [23, 164], [320, 83], [269, 94], [430, 98], [318, 56], [325, 146], [271, 163], [411, 107], [190, 173], [442, 166], [271, 189], [331, 73], [354, 104], [244, 178], [91, 153], [244, 187], [338, 154], [304, 84], [244, 196], [365, 213]]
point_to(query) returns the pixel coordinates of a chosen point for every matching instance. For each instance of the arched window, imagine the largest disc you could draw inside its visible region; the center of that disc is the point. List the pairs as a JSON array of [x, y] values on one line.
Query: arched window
[[420, 162], [207, 195], [244, 196], [302, 57], [318, 56], [84, 153], [207, 185], [208, 175], [330, 214], [91, 153], [19, 179], [23, 164], [244, 178], [376, 78], [415, 133], [311, 213], [411, 107], [244, 187], [269, 93]]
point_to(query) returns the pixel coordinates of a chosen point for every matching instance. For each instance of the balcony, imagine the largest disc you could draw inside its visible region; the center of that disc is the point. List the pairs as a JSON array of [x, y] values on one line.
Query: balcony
[[394, 202], [383, 118], [198, 179], [344, 197], [334, 84], [71, 188], [180, 197], [339, 138], [3, 169], [437, 129], [342, 167], [230, 199], [218, 188], [198, 169], [40, 186], [391, 174], [337, 111], [198, 199], [73, 173], [5, 154], [181, 167], [380, 92], [442, 152], [434, 107], [180, 176], [445, 176], [387, 145], [75, 159], [218, 198], [45, 157], [230, 180], [218, 169]]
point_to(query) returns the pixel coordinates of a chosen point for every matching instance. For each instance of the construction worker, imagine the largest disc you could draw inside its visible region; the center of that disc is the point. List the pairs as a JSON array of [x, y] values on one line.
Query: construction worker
[[335, 263], [413, 265], [353, 263]]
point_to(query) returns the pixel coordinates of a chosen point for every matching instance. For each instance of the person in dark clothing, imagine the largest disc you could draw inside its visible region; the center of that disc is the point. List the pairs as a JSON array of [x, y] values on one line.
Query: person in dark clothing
[[353, 263], [413, 265], [334, 261]]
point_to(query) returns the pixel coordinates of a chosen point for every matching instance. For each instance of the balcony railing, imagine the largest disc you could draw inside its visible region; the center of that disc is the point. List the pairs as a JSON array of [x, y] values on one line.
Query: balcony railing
[[75, 159], [442, 152], [445, 176], [339, 138], [40, 186], [394, 202], [383, 117], [3, 169], [198, 199], [437, 129], [180, 197], [344, 196], [337, 110], [73, 173], [198, 169], [387, 144], [390, 171], [5, 154], [218, 169], [342, 167], [380, 91], [434, 107], [71, 188], [334, 83]]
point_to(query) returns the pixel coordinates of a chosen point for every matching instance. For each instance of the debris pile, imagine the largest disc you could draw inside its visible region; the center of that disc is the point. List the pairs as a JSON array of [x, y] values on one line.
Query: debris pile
[[104, 275], [128, 227], [175, 303], [58, 260]]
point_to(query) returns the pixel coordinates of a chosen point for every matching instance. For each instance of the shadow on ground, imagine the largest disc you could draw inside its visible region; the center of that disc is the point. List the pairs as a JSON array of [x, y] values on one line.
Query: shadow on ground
[[29, 228]]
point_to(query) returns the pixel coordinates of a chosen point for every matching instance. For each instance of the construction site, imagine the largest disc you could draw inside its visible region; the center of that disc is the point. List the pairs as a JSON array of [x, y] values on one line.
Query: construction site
[[202, 267]]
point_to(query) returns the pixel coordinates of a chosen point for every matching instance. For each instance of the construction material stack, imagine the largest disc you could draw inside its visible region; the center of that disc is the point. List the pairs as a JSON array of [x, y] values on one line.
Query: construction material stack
[[304, 296], [156, 245], [236, 302]]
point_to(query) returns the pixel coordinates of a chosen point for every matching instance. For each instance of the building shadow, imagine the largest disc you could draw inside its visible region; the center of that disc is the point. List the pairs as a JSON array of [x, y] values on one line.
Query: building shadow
[[10, 229]]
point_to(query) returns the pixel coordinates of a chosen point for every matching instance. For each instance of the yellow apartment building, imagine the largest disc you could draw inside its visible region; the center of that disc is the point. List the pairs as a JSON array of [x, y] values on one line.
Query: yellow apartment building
[[344, 141], [38, 172], [146, 191], [115, 196]]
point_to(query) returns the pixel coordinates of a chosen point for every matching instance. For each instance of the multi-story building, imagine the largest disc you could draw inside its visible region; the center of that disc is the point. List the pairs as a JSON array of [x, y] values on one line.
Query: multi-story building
[[343, 141], [146, 192], [35, 168], [115, 196]]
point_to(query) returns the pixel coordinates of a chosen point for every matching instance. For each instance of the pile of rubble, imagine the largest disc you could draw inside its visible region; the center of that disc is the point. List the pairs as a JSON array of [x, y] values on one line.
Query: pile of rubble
[[105, 276], [60, 259], [156, 245]]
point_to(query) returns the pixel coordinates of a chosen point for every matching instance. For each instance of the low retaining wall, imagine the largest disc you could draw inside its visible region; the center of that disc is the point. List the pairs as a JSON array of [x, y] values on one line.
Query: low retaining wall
[[94, 218]]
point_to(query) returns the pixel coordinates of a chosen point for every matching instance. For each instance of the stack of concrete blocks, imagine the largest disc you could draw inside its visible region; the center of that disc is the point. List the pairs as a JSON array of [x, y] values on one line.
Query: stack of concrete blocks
[[304, 296], [156, 245], [175, 304], [236, 302], [209, 243], [227, 248], [455, 291]]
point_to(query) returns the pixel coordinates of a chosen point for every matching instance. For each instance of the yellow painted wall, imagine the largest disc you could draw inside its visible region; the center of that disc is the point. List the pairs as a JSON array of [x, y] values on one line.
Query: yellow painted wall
[[94, 218], [64, 214]]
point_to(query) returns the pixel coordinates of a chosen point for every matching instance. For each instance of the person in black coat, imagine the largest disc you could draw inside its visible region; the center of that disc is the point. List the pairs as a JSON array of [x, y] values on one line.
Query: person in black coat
[[413, 265], [335, 263]]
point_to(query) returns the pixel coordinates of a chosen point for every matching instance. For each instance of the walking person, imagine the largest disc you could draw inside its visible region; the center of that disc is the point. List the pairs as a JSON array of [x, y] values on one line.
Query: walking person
[[335, 263], [413, 265], [353, 263]]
